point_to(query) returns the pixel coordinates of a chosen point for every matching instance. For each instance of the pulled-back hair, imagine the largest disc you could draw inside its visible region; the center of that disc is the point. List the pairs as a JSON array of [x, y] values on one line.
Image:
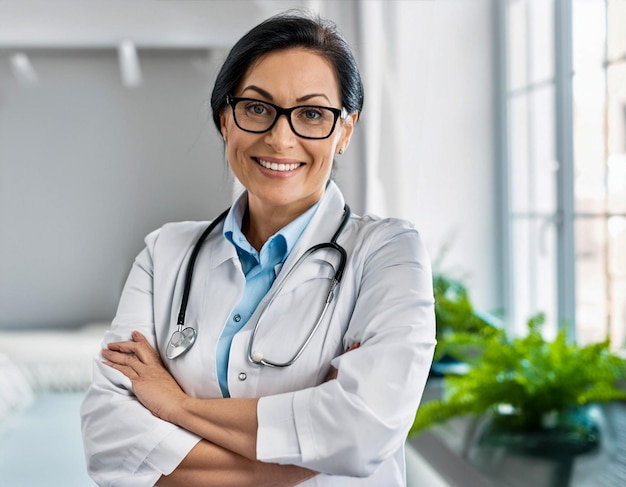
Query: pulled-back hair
[[292, 29]]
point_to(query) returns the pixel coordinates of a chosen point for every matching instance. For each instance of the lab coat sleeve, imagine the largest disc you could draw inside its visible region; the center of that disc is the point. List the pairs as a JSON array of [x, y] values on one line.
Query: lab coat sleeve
[[350, 425], [125, 445]]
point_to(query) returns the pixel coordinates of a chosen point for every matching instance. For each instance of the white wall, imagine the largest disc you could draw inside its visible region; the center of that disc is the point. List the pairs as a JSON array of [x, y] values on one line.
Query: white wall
[[149, 23], [447, 83], [431, 143], [87, 167]]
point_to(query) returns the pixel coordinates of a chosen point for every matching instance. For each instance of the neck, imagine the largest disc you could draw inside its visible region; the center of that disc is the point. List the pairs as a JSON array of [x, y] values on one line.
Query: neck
[[259, 224]]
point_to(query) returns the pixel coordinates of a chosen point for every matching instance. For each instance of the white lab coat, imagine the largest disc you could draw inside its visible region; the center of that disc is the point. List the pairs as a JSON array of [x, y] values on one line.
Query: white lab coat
[[353, 428]]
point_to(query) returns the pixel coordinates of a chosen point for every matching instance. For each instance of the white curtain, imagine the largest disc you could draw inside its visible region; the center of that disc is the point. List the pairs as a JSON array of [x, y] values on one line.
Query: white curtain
[[365, 25], [373, 172], [424, 149]]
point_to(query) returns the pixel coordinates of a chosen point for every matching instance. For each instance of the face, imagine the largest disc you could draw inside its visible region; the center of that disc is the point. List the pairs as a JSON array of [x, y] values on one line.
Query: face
[[279, 168]]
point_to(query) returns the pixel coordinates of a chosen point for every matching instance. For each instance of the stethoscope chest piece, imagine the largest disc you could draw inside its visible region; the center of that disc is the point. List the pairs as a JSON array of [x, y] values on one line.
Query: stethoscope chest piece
[[180, 342]]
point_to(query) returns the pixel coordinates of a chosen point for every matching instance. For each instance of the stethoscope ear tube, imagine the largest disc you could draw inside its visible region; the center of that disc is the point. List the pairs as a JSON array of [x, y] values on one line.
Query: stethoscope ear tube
[[344, 256]]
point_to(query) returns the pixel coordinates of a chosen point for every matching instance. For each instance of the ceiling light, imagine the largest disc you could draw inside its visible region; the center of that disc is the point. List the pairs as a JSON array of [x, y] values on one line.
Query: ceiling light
[[23, 69], [130, 69]]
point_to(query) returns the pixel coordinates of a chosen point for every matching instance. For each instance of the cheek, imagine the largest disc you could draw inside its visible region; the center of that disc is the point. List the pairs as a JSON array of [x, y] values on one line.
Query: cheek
[[326, 168], [323, 157], [237, 143]]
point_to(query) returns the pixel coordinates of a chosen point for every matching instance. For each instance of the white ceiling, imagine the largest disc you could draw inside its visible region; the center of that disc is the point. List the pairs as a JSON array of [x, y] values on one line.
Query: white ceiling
[[148, 23]]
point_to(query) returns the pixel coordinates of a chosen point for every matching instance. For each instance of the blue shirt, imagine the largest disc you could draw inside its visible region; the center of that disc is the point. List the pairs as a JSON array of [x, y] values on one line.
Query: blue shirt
[[260, 269]]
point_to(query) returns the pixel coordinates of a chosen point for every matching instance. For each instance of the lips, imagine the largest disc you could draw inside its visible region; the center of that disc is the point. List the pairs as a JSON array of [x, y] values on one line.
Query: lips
[[278, 166]]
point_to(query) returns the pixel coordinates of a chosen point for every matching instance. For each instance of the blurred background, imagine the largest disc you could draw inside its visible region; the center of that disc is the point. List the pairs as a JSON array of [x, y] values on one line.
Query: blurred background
[[498, 127]]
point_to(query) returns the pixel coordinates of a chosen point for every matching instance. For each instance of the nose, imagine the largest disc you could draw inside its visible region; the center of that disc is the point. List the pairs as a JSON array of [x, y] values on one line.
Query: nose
[[281, 136]]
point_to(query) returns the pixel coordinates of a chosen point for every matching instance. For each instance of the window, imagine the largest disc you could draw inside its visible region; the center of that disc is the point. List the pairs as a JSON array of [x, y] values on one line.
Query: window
[[564, 204]]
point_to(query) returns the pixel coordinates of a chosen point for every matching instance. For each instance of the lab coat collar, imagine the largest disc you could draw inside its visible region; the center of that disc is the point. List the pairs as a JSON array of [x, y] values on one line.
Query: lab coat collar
[[322, 226], [220, 249], [320, 229]]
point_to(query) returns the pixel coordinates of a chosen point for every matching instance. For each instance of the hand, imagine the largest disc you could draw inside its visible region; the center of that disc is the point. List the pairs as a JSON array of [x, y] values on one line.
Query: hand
[[152, 383]]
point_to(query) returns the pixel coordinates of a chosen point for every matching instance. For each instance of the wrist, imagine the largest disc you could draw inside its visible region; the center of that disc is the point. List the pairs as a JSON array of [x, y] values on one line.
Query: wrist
[[182, 410]]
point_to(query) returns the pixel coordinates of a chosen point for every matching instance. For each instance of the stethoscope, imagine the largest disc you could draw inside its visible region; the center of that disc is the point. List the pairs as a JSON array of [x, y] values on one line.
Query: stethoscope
[[183, 338]]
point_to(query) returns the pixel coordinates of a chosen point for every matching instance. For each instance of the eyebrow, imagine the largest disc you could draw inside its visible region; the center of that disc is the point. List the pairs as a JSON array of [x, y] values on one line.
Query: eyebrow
[[267, 95]]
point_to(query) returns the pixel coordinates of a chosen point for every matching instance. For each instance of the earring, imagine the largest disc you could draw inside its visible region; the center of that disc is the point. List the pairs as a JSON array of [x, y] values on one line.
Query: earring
[[340, 151]]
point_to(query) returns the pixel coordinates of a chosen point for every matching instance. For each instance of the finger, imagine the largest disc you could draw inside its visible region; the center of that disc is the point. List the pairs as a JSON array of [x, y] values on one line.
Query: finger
[[141, 349], [146, 350], [121, 358], [138, 337], [124, 347], [127, 371], [332, 374], [138, 340]]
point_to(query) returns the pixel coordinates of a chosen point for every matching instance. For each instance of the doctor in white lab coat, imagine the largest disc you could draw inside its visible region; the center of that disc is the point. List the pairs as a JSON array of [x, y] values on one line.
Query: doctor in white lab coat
[[339, 415]]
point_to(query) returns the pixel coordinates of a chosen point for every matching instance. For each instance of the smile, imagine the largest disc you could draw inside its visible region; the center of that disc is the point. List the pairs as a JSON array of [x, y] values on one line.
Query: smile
[[274, 166]]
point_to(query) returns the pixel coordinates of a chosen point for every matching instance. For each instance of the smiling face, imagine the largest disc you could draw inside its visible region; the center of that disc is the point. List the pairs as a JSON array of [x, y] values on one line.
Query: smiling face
[[282, 171]]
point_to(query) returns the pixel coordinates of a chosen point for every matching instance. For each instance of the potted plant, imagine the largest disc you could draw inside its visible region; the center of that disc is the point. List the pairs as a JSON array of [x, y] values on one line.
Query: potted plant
[[455, 316], [531, 393]]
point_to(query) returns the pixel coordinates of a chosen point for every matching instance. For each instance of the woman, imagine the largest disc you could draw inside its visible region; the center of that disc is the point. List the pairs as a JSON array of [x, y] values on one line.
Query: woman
[[208, 405]]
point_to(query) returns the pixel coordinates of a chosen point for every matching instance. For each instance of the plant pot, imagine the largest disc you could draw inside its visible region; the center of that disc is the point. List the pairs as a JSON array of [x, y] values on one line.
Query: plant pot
[[556, 435], [541, 456], [448, 365]]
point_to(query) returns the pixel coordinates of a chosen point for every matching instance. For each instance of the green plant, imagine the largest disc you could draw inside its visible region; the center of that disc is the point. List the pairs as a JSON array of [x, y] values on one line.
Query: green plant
[[455, 316], [530, 376]]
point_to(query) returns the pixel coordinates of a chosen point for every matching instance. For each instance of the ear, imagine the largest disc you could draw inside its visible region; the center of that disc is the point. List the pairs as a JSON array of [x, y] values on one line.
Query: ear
[[223, 125], [347, 130]]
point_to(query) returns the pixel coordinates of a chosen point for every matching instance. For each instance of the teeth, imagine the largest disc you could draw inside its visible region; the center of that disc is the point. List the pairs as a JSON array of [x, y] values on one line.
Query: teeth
[[278, 167]]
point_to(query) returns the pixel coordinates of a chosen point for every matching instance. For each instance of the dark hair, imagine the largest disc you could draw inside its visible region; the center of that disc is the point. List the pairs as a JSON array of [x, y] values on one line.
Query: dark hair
[[284, 31]]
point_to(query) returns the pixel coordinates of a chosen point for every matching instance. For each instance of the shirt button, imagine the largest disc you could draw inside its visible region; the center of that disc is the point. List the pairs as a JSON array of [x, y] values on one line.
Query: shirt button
[[243, 376], [237, 318]]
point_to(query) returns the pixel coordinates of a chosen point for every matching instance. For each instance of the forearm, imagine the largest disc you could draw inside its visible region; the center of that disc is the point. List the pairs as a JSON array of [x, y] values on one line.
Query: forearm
[[229, 423], [209, 465]]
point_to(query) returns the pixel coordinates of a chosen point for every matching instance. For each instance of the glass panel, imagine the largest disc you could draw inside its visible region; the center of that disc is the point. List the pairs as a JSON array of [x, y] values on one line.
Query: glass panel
[[517, 44], [591, 282], [522, 274], [617, 283], [541, 38], [616, 15], [616, 169], [616, 136], [533, 164], [543, 165], [534, 272], [589, 105], [518, 128]]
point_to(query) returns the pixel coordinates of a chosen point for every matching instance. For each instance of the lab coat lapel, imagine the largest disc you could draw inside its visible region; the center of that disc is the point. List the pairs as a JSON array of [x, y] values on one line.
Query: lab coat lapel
[[221, 250], [321, 228]]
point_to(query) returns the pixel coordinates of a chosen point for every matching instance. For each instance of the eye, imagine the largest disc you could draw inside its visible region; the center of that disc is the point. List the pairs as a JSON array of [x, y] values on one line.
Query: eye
[[257, 108], [312, 113]]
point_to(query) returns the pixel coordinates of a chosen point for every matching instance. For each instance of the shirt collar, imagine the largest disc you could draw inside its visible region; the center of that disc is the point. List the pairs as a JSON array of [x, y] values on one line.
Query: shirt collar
[[277, 247]]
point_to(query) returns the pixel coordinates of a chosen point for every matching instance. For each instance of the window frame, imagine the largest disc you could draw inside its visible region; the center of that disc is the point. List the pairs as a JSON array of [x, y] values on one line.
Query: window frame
[[564, 216]]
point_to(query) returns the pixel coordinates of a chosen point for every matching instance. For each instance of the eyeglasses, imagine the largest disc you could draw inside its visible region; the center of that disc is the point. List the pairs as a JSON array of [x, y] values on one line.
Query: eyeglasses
[[306, 121]]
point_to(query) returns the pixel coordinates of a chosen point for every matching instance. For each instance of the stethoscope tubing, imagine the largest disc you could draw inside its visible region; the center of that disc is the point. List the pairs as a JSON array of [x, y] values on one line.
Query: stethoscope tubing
[[329, 297], [251, 352], [191, 264]]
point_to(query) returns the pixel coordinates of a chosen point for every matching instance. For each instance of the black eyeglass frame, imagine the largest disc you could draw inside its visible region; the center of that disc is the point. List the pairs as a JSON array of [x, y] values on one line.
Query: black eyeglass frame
[[233, 100]]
